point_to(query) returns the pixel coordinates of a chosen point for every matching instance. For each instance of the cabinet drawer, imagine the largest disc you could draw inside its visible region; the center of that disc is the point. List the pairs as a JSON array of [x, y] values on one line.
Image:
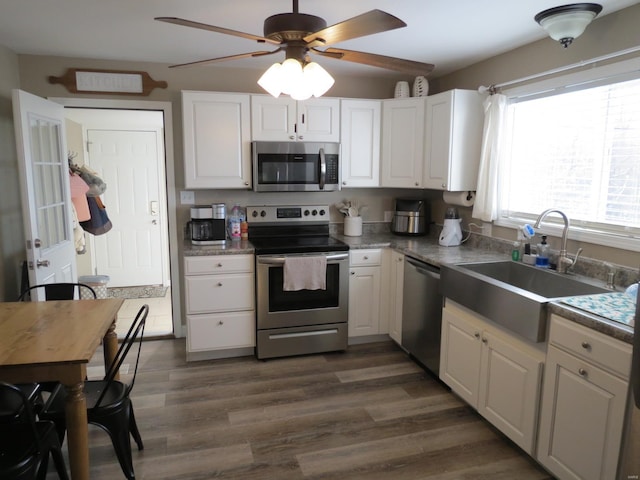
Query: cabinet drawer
[[219, 293], [218, 264], [365, 257], [220, 331], [591, 345]]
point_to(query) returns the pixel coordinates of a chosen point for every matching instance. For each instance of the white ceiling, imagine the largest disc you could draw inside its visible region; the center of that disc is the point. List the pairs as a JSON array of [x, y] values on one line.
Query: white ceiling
[[448, 33]]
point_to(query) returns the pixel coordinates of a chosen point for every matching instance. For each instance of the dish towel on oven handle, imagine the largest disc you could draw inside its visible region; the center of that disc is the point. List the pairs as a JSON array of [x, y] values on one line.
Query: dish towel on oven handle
[[305, 273]]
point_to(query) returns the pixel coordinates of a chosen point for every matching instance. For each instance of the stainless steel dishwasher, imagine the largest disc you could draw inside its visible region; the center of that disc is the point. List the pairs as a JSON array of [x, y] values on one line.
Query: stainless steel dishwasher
[[422, 313]]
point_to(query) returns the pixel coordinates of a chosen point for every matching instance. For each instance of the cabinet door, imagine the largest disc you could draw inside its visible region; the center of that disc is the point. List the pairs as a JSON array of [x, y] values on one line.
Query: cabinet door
[[360, 138], [460, 356], [581, 418], [403, 142], [509, 390], [219, 293], [273, 119], [453, 140], [217, 147], [364, 291], [318, 120], [395, 297]]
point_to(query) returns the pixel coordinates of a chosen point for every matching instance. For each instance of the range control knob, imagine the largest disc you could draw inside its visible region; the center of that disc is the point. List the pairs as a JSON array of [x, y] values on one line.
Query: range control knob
[[254, 214], [322, 212], [263, 213], [314, 213], [306, 213]]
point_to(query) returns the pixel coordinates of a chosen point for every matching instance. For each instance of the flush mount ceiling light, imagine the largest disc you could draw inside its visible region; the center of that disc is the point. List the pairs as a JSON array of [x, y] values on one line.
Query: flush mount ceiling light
[[567, 22]]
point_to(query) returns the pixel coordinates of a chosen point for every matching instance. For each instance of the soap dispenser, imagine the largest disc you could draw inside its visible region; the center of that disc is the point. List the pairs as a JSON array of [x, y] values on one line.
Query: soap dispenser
[[542, 260]]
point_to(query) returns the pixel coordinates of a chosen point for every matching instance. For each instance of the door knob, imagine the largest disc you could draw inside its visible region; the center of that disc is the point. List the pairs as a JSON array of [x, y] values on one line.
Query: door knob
[[43, 263]]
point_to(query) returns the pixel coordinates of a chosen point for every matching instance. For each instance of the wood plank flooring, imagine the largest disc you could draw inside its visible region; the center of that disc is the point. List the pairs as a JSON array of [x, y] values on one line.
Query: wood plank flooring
[[368, 413]]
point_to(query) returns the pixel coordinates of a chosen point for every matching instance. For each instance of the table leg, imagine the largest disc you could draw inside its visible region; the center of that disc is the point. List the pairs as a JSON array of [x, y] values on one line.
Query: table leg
[[110, 344], [77, 431]]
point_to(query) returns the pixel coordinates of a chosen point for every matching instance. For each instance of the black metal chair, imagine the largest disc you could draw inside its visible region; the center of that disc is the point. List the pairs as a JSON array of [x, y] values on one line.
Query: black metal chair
[[57, 291], [108, 402], [25, 444]]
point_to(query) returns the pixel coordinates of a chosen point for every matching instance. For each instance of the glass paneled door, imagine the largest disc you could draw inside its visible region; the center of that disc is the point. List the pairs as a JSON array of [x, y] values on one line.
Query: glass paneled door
[[44, 185]]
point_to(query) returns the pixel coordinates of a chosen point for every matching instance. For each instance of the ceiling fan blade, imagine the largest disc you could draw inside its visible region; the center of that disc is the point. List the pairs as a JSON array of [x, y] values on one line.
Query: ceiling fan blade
[[213, 28], [382, 61], [224, 59], [375, 21]]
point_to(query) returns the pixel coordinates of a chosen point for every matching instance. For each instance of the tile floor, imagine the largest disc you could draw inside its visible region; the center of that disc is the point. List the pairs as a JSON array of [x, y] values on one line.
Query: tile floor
[[159, 321]]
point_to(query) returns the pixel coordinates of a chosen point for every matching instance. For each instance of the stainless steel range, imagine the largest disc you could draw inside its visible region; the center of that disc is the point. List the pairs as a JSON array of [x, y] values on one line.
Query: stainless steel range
[[294, 320]]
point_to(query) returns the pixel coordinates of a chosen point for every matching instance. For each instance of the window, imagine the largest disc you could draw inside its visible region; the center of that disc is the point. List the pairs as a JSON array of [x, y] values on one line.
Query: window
[[577, 149]]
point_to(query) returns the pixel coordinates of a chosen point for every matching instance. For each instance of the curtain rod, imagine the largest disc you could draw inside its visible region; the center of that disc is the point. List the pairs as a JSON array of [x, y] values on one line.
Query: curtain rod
[[494, 87]]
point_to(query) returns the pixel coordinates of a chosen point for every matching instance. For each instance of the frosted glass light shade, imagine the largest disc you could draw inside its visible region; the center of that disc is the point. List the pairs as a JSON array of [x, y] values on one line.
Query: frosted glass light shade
[[568, 22], [270, 80], [290, 75], [319, 79]]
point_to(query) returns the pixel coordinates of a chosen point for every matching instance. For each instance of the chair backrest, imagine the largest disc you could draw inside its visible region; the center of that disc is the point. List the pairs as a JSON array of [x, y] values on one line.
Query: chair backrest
[[135, 333], [58, 291], [14, 404]]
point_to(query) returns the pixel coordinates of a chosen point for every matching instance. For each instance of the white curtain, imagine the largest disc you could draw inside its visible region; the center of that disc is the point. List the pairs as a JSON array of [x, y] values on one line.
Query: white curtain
[[486, 202]]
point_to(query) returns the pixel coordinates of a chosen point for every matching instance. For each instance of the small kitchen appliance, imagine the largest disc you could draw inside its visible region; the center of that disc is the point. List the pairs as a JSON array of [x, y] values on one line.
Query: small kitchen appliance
[[208, 224], [411, 217], [451, 234]]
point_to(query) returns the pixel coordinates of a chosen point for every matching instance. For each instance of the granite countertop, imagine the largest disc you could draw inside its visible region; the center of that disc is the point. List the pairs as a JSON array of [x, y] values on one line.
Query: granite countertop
[[596, 312]]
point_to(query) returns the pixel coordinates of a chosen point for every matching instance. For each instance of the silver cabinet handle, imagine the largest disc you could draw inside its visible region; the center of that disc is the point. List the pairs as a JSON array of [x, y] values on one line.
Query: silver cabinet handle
[[582, 372], [219, 265], [484, 340], [220, 322], [219, 284], [586, 345], [477, 334]]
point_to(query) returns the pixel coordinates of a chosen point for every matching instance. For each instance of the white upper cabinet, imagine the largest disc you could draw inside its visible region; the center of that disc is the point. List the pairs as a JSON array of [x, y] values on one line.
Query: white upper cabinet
[[217, 142], [286, 120], [453, 140], [403, 142], [360, 137]]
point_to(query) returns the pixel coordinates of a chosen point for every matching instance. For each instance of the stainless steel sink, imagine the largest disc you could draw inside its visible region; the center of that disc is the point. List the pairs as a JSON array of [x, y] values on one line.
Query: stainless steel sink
[[511, 294]]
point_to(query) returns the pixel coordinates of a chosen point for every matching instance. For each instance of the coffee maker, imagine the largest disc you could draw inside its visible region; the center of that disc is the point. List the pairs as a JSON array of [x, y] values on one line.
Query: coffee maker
[[208, 224], [451, 234]]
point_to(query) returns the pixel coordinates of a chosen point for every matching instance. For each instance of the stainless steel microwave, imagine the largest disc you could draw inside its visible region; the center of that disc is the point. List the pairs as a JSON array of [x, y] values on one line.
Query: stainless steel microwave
[[296, 166]]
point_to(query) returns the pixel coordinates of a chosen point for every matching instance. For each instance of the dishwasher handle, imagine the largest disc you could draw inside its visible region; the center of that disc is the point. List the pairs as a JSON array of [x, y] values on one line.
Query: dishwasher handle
[[424, 268]]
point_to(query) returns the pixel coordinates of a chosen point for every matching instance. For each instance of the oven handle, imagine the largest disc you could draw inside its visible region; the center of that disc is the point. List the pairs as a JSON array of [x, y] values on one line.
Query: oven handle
[[280, 260]]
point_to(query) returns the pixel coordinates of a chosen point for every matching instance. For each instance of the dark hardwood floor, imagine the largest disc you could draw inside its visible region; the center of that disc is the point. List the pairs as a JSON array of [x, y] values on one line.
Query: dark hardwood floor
[[368, 413]]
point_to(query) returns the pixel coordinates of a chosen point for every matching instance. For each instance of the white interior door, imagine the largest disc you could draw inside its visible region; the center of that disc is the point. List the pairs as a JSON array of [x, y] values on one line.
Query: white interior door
[[127, 160], [44, 185]]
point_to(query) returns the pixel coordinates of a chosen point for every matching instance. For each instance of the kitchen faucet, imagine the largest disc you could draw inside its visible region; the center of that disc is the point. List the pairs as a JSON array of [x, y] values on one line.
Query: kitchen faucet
[[564, 262]]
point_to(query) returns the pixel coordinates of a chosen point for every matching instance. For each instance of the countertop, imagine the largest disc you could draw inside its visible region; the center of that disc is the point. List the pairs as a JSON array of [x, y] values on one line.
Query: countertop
[[428, 250]]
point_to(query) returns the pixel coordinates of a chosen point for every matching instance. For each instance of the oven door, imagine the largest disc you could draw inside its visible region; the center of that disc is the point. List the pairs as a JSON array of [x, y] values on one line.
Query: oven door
[[277, 308]]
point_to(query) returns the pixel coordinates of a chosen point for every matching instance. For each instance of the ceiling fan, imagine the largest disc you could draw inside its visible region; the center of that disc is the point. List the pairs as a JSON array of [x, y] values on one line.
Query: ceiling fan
[[298, 34]]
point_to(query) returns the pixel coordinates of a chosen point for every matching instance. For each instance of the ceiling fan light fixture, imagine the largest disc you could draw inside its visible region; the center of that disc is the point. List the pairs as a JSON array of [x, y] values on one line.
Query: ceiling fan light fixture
[[567, 22], [292, 79]]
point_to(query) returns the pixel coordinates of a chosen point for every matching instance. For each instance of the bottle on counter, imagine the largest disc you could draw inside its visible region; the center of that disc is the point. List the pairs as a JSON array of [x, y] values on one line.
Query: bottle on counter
[[542, 260], [235, 222]]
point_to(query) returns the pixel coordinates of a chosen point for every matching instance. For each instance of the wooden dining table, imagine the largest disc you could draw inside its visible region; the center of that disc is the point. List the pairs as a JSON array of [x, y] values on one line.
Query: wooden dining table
[[54, 341]]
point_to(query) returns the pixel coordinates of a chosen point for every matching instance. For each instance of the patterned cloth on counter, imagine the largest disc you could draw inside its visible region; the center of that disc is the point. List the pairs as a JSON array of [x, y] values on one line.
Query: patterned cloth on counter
[[619, 307]]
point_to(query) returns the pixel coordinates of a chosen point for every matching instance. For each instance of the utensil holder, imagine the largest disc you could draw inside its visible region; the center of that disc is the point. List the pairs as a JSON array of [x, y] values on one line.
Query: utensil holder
[[353, 226]]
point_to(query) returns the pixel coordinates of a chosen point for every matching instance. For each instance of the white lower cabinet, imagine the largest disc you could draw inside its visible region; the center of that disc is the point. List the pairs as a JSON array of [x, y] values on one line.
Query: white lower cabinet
[[494, 372], [220, 305], [583, 402], [364, 292]]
